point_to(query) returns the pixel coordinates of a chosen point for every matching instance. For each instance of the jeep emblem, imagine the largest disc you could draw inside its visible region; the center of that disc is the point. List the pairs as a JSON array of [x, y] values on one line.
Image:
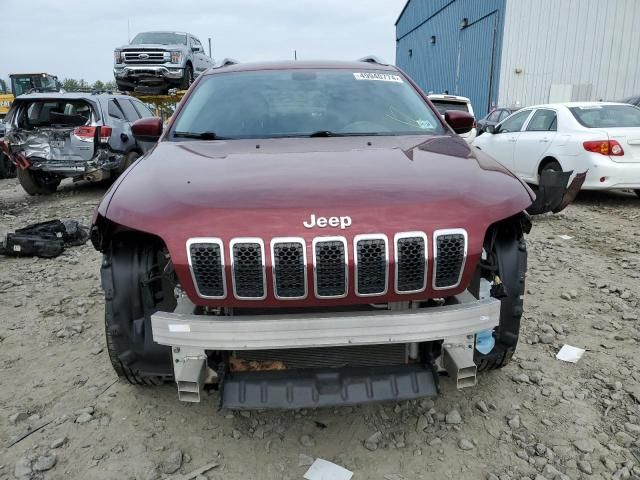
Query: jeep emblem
[[322, 222]]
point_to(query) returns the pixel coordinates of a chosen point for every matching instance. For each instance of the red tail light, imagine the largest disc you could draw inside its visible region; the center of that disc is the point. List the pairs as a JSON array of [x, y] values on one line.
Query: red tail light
[[105, 134], [87, 134], [604, 147]]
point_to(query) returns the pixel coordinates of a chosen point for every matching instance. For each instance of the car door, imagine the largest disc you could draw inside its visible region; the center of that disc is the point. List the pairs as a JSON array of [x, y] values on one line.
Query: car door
[[501, 144], [534, 142]]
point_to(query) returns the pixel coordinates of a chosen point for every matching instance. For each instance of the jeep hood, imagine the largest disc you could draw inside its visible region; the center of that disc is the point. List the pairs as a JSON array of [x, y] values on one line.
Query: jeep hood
[[268, 188]]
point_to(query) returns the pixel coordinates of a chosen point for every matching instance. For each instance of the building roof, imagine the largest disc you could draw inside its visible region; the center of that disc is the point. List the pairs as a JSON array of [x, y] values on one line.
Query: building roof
[[402, 12]]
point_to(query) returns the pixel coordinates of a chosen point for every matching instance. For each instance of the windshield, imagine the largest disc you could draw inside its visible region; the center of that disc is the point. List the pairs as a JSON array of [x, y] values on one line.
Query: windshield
[[607, 116], [163, 38], [444, 105], [291, 103], [54, 113], [39, 82]]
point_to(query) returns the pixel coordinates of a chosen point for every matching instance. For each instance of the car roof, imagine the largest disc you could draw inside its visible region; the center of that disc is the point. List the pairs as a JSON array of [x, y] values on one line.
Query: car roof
[[573, 104], [68, 95], [163, 31], [296, 65], [444, 96]]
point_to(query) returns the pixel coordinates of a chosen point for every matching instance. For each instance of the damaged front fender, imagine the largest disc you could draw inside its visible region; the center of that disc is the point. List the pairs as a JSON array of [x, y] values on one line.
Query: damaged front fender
[[553, 194]]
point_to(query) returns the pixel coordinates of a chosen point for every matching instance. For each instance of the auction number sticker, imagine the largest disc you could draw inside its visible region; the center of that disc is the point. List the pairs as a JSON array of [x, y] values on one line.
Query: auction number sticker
[[380, 77]]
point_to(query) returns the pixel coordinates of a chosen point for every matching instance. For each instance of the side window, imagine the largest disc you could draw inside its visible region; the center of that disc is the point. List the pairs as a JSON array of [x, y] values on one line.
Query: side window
[[494, 116], [115, 111], [504, 114], [515, 122], [142, 109], [130, 113], [542, 121]]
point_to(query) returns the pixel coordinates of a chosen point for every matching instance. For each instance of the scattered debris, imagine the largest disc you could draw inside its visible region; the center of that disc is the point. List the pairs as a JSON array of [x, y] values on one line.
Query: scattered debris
[[44, 239], [325, 470], [570, 354]]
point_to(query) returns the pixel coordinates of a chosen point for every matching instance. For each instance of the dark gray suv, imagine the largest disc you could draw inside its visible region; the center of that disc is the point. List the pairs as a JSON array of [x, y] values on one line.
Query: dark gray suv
[[85, 136]]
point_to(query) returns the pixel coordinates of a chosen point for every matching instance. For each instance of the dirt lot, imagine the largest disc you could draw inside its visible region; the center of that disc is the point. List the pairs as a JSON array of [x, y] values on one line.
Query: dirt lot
[[539, 418]]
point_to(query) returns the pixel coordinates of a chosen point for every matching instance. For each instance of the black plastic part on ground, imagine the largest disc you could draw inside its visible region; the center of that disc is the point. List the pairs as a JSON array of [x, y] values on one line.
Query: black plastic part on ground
[[45, 239], [327, 387]]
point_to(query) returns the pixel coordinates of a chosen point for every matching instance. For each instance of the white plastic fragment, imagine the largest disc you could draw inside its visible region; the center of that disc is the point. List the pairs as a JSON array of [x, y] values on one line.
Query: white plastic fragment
[[325, 470], [570, 354], [565, 237]]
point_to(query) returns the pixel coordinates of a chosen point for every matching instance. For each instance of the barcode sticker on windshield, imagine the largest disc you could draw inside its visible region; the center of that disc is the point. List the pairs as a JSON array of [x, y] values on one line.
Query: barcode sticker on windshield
[[381, 77]]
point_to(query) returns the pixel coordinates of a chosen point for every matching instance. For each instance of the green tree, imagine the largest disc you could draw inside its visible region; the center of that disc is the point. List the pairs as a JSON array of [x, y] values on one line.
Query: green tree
[[98, 85], [111, 85], [70, 84]]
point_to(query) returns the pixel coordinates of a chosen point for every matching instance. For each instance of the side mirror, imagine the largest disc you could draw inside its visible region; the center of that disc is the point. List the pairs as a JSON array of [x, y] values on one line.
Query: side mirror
[[490, 129], [147, 129], [195, 49], [461, 122]]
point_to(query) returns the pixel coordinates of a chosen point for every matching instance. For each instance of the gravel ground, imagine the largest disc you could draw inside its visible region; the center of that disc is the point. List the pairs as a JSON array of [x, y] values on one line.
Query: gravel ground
[[538, 418]]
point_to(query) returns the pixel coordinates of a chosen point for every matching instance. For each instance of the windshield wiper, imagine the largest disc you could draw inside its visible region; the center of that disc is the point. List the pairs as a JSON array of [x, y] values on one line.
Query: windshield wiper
[[199, 135], [329, 133], [325, 133]]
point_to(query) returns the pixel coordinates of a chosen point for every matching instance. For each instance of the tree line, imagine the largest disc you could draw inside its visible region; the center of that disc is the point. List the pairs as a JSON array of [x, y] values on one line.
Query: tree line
[[74, 85]]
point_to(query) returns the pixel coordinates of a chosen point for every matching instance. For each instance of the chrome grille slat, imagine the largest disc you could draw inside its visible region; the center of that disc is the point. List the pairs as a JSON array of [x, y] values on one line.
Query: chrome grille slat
[[289, 257], [330, 260], [449, 257], [248, 268], [411, 262], [206, 263], [154, 57], [371, 264]]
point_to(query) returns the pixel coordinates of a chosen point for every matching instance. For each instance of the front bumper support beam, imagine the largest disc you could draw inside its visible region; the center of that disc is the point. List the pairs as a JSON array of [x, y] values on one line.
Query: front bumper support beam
[[258, 332]]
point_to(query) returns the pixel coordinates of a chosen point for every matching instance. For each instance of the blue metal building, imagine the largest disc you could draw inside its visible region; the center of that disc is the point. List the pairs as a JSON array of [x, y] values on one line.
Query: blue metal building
[[453, 46], [521, 52]]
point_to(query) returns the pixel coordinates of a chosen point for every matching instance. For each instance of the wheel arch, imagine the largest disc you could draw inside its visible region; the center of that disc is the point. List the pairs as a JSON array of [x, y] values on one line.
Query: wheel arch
[[546, 160]]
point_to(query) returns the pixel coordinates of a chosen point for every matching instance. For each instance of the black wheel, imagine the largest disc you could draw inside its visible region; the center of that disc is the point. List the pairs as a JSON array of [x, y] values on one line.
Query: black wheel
[[7, 168], [508, 257], [134, 289], [187, 78], [637, 192], [553, 166], [38, 183], [127, 162]]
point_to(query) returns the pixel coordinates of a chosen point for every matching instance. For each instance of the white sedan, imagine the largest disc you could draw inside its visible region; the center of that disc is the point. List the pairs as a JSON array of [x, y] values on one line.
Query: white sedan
[[601, 137]]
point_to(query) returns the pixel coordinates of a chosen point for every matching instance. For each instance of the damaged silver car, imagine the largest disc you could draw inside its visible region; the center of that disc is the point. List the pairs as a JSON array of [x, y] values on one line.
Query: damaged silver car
[[84, 136]]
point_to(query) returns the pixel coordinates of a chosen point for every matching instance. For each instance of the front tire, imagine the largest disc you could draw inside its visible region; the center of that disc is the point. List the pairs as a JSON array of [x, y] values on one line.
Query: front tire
[[38, 183], [637, 192], [134, 289], [187, 78]]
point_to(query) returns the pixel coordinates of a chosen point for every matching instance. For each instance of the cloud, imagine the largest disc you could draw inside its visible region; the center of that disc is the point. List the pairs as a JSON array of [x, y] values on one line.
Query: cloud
[[76, 38]]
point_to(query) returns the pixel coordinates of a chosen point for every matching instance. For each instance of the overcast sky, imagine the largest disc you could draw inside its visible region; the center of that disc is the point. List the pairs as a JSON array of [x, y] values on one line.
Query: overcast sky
[[76, 38]]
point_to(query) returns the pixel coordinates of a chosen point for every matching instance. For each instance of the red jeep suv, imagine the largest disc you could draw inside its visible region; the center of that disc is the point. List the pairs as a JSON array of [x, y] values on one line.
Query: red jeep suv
[[311, 234]]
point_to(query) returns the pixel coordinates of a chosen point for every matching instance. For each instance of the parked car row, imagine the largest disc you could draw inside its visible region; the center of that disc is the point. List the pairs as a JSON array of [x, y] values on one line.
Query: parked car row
[[602, 138]]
